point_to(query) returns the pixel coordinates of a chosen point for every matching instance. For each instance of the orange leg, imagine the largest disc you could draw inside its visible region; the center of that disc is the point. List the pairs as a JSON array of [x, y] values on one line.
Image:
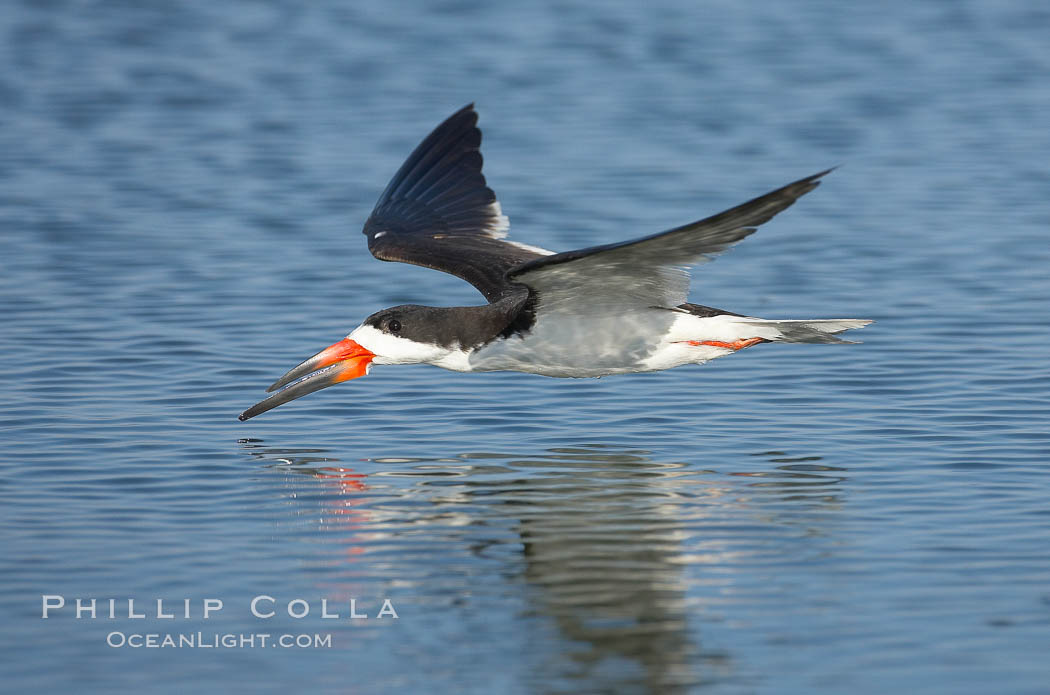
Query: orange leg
[[735, 345]]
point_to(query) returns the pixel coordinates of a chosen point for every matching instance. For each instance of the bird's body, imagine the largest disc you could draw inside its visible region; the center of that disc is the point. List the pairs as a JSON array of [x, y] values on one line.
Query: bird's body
[[612, 309]]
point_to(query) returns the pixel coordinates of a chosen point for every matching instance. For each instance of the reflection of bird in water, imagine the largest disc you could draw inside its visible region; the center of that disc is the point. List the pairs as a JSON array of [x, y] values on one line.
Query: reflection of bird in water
[[611, 309], [602, 554], [616, 549], [609, 535]]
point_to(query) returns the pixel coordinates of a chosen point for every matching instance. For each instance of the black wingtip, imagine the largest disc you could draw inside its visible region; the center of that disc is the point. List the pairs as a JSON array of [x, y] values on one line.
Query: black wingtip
[[440, 189], [443, 172], [794, 190], [814, 179]]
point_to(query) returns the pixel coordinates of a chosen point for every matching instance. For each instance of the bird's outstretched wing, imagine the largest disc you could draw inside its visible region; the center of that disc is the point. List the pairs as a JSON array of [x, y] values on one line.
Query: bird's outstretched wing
[[653, 270], [438, 212]]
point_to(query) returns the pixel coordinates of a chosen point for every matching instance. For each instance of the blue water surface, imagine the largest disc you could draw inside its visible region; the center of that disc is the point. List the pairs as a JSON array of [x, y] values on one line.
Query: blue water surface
[[182, 187]]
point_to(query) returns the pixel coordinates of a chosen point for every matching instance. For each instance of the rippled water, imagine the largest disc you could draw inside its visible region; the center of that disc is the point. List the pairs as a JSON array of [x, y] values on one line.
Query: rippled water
[[181, 193]]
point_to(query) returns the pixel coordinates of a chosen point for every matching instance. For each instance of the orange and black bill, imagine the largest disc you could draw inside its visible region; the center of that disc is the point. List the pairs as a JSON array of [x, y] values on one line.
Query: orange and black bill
[[339, 362]]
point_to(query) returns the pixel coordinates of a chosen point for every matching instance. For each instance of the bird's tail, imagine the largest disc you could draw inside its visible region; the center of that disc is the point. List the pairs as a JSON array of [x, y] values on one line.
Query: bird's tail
[[807, 330]]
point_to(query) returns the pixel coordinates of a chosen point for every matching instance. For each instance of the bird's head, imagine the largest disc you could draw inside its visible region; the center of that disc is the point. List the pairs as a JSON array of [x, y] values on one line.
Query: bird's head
[[406, 334]]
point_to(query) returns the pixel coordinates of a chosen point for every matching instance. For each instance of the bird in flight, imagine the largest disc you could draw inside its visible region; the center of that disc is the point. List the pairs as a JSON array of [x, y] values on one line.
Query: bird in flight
[[611, 309]]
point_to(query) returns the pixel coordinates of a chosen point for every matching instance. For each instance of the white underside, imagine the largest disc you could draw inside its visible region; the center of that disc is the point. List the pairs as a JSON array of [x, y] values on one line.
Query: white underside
[[593, 346], [675, 349]]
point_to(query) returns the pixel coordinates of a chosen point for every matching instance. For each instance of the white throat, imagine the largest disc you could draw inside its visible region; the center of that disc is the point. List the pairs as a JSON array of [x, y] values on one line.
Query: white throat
[[393, 349]]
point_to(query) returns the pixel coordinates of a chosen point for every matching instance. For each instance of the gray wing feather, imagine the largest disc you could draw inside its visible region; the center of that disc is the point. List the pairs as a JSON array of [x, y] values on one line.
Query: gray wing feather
[[653, 270]]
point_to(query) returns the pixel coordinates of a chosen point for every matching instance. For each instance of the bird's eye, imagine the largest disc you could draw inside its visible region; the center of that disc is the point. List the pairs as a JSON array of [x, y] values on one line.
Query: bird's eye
[[394, 326]]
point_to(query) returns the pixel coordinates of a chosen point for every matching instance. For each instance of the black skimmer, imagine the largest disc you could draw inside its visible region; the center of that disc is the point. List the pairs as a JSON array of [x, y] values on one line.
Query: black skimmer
[[611, 309]]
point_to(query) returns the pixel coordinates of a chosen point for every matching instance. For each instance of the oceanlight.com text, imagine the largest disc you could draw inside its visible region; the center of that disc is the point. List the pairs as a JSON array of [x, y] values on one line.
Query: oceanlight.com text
[[214, 640]]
